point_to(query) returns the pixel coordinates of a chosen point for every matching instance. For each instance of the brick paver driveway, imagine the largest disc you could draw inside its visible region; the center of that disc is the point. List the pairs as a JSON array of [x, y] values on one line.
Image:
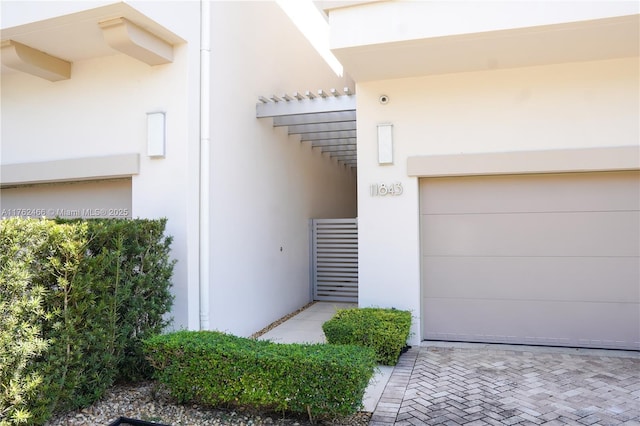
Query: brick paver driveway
[[507, 385]]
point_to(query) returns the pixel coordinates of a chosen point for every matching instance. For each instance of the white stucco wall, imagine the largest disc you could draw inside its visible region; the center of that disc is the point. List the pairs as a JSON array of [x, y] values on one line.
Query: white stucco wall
[[265, 186], [574, 105], [102, 111]]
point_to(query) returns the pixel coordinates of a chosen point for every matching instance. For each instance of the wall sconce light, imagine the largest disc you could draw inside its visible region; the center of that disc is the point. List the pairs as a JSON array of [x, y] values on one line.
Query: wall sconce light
[[156, 134], [385, 143]]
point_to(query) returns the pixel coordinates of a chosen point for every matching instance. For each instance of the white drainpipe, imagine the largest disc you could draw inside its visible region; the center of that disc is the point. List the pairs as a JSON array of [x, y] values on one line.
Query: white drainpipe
[[205, 140]]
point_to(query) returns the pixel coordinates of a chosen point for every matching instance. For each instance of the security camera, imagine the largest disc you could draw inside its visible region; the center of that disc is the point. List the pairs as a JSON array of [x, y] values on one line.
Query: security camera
[[384, 99]]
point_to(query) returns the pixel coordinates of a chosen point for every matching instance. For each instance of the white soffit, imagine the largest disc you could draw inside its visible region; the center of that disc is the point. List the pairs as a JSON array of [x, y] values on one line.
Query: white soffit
[[325, 119], [597, 39], [78, 36]]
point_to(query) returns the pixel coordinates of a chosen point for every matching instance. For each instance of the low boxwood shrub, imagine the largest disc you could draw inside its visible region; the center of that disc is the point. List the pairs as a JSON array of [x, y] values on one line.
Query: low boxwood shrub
[[214, 368], [384, 330]]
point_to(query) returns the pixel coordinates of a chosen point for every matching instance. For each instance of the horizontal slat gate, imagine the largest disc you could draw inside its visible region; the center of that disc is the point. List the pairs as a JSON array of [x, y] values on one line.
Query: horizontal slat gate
[[335, 259]]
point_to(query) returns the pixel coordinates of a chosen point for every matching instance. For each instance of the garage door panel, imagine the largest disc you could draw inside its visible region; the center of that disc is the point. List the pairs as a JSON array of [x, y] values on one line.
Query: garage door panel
[[532, 193], [545, 323], [533, 278], [534, 259], [533, 234], [85, 199]]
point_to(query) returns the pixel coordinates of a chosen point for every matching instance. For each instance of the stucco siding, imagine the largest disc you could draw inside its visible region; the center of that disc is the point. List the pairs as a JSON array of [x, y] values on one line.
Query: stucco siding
[[555, 107], [265, 185]]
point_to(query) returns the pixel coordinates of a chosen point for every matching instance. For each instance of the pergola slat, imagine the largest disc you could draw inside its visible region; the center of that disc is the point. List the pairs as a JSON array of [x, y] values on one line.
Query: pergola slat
[[320, 117], [327, 120]]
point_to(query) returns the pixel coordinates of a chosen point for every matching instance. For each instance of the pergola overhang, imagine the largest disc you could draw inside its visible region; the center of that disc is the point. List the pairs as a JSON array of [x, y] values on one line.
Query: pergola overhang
[[326, 120]]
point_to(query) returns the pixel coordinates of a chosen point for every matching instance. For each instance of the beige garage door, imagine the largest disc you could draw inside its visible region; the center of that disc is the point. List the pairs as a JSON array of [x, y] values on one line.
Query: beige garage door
[[90, 199], [534, 259]]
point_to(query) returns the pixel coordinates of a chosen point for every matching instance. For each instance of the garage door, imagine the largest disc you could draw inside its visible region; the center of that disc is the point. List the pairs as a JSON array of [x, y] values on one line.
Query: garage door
[[533, 259], [89, 199]]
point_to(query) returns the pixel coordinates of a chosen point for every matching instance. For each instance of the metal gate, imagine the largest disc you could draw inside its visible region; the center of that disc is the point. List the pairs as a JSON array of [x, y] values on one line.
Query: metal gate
[[334, 248]]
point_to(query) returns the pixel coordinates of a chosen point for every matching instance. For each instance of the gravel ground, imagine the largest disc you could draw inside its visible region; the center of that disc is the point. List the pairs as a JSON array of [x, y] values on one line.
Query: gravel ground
[[150, 401]]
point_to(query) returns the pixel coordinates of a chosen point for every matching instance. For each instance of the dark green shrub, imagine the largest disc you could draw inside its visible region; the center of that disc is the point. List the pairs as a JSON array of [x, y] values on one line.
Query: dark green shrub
[[384, 330], [130, 259], [105, 287], [218, 369]]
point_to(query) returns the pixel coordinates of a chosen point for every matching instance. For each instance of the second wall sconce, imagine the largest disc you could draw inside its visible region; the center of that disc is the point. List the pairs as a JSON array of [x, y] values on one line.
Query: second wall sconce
[[156, 134], [385, 143]]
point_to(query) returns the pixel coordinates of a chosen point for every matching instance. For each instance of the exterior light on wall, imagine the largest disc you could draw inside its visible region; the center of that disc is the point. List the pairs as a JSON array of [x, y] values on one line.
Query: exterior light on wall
[[156, 134], [385, 143]]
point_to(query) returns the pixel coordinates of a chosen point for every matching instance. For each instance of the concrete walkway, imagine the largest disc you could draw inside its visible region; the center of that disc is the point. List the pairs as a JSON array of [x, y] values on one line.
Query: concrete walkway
[[306, 327], [479, 384]]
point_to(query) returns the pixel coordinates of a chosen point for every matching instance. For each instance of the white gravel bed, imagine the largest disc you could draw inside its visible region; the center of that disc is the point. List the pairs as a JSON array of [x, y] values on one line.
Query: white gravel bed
[[151, 402]]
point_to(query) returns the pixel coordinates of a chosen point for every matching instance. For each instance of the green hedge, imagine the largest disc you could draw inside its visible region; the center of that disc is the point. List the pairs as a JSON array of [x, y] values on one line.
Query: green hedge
[[100, 287], [214, 368], [21, 316], [131, 259], [384, 330]]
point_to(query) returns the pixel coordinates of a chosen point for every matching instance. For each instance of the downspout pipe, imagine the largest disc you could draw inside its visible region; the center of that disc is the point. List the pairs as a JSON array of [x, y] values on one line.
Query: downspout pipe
[[205, 163]]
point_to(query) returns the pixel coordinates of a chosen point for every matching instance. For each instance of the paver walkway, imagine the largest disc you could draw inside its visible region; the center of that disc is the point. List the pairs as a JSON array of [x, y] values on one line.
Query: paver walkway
[[449, 384]]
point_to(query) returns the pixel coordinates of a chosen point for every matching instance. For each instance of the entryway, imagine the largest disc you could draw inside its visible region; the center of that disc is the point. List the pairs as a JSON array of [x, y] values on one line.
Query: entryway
[[306, 327]]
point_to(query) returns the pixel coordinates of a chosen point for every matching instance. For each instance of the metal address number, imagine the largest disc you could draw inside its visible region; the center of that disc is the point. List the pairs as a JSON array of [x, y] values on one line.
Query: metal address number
[[382, 189]]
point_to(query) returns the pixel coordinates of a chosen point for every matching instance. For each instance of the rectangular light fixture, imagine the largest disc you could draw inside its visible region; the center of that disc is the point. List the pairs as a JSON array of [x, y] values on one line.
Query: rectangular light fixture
[[156, 134], [385, 143]]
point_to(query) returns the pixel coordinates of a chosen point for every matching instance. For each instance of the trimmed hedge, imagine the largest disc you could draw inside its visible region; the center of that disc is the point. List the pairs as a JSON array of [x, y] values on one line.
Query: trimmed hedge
[[98, 287], [384, 330], [216, 369]]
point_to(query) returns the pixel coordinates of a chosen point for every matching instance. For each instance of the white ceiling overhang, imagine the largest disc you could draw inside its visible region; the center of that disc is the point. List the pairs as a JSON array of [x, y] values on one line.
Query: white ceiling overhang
[[325, 120], [589, 40], [48, 47]]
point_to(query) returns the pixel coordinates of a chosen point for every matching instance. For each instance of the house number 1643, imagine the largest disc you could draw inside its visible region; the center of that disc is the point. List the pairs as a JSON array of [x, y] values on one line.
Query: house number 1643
[[382, 189]]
